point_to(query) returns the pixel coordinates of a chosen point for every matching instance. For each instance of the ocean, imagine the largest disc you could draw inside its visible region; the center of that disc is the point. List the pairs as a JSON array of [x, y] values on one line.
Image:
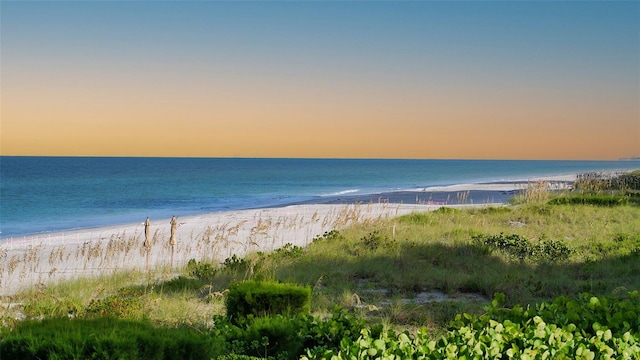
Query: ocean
[[46, 194]]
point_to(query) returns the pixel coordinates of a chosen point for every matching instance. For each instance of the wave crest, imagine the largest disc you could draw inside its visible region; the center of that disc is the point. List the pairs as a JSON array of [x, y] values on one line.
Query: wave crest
[[343, 192]]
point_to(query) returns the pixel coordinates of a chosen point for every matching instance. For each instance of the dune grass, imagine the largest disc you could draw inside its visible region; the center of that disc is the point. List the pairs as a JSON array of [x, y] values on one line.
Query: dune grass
[[378, 269]]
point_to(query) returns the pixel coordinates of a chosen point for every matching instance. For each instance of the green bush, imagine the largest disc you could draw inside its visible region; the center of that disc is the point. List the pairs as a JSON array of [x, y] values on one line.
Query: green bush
[[588, 327], [596, 200], [595, 181], [280, 337], [235, 264], [267, 298], [125, 304], [521, 248], [333, 235], [201, 271], [288, 251], [328, 333], [630, 180], [274, 336], [105, 338]]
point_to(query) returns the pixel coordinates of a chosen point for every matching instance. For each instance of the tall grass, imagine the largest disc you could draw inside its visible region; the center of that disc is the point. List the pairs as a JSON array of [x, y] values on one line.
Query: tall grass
[[373, 265], [533, 193], [601, 181]]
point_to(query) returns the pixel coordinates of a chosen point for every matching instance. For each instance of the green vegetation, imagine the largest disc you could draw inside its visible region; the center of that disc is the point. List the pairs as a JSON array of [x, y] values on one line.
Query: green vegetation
[[546, 277], [258, 298], [585, 328], [105, 338]]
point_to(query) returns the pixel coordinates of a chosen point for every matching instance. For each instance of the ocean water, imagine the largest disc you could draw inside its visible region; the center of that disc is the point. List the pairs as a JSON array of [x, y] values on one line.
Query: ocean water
[[44, 194]]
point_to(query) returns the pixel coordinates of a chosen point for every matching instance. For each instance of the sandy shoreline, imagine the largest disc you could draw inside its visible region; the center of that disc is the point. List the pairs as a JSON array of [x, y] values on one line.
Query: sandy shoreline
[[43, 259], [49, 258]]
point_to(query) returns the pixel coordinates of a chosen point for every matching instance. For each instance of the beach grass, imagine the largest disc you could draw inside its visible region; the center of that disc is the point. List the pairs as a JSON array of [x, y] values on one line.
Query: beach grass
[[382, 269]]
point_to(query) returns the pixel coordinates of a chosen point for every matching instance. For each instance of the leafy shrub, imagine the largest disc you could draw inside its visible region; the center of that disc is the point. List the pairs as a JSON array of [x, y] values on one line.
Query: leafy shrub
[[513, 244], [125, 304], [521, 248], [333, 235], [563, 329], [373, 241], [267, 298], [289, 251], [550, 250], [207, 271], [328, 333], [234, 264], [201, 270], [277, 335]]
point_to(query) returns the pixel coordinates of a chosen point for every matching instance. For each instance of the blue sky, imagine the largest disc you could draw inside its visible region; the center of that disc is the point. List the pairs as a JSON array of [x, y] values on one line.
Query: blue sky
[[322, 79]]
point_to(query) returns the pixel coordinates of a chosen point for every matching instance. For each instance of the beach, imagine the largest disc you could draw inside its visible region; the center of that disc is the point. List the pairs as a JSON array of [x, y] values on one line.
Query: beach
[[45, 259]]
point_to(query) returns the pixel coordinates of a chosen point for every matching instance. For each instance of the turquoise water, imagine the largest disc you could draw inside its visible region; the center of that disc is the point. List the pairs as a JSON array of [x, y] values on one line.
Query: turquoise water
[[43, 194]]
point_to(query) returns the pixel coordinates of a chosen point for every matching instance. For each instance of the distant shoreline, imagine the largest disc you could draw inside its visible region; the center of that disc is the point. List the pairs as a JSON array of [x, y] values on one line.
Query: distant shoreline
[[498, 192]]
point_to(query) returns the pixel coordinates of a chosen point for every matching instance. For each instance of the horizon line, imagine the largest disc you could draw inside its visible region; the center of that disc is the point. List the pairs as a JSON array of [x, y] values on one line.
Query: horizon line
[[630, 158]]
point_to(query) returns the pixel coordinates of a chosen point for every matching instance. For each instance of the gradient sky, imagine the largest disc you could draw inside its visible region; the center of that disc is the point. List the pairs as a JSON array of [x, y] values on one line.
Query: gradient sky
[[475, 80]]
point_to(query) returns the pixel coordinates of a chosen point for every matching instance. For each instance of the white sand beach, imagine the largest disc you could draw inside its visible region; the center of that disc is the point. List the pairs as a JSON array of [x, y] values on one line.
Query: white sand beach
[[28, 261], [32, 260]]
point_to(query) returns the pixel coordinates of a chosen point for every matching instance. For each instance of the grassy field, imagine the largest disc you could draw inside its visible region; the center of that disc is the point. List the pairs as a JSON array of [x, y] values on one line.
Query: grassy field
[[419, 270]]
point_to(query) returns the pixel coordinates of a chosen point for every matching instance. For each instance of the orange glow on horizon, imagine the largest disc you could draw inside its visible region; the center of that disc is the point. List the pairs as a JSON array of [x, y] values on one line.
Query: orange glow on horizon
[[431, 82]]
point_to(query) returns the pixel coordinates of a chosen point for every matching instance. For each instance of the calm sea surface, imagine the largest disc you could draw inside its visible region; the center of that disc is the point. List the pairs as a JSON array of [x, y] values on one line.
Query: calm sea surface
[[42, 194]]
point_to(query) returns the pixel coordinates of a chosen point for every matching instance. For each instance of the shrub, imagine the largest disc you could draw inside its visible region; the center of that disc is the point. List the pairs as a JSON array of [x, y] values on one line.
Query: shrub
[[105, 338], [630, 180], [232, 265], [595, 181], [201, 270], [280, 337], [584, 328], [125, 304], [267, 298], [373, 241], [596, 200], [235, 264], [328, 333], [276, 335], [289, 251], [521, 248], [333, 235]]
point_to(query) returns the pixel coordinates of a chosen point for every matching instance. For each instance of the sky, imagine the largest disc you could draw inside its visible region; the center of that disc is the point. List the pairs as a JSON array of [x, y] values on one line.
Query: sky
[[321, 79]]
